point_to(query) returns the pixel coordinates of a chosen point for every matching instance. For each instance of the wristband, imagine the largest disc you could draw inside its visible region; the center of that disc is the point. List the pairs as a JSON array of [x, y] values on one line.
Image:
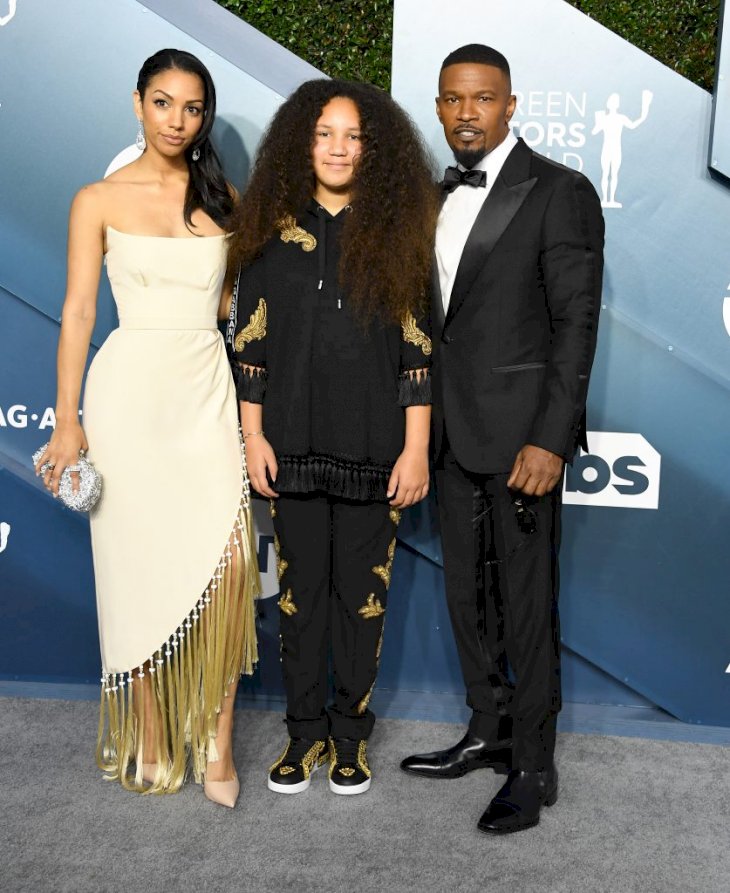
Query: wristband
[[252, 434]]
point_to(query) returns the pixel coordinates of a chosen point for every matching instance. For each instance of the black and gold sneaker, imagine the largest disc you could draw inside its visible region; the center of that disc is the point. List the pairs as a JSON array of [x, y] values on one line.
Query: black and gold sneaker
[[290, 774], [349, 770]]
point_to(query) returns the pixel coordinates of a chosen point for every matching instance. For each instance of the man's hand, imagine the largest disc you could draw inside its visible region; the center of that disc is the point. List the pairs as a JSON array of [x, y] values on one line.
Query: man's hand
[[536, 471]]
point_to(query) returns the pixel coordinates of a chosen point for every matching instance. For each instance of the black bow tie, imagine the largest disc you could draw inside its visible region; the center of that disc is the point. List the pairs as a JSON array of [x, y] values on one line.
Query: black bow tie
[[453, 177]]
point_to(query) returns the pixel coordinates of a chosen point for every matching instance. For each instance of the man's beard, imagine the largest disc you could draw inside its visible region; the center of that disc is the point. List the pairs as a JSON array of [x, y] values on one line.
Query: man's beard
[[468, 158]]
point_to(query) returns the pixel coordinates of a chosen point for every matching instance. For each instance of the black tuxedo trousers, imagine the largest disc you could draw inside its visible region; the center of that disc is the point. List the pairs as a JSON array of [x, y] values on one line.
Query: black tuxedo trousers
[[501, 571]]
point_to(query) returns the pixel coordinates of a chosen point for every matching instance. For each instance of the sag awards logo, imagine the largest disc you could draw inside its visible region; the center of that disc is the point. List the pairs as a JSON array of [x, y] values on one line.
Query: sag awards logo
[[4, 534], [557, 124], [264, 539], [125, 157], [18, 416], [11, 7], [621, 471]]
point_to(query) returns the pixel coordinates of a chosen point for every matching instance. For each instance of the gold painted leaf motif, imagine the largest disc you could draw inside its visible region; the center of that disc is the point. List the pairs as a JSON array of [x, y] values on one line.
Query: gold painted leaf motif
[[286, 603], [371, 608], [413, 335], [290, 232], [383, 571], [281, 563], [255, 330]]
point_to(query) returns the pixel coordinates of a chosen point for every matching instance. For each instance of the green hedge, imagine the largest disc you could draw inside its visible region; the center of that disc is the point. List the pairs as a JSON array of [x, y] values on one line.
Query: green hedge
[[352, 38], [343, 38], [680, 33]]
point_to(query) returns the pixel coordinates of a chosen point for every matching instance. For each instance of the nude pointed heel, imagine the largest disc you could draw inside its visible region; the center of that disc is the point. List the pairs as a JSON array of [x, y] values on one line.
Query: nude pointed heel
[[224, 793]]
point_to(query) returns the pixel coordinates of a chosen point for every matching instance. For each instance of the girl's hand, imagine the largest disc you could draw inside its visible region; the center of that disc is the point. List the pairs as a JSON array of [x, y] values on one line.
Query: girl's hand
[[409, 480], [260, 458], [63, 449]]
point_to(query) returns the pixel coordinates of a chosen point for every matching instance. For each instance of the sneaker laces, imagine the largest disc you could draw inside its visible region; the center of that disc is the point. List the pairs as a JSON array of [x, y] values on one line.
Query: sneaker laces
[[298, 749], [347, 751]]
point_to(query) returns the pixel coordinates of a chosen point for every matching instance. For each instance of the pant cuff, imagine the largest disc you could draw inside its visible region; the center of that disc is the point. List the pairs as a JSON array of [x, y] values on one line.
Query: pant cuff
[[495, 730], [345, 726], [313, 729]]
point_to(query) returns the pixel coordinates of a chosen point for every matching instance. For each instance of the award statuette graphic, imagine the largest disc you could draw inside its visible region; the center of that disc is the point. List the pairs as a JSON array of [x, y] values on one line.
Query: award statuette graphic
[[10, 15], [611, 123]]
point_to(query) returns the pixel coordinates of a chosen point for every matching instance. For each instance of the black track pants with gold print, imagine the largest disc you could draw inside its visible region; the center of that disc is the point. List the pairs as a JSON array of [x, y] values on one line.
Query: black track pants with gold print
[[334, 560]]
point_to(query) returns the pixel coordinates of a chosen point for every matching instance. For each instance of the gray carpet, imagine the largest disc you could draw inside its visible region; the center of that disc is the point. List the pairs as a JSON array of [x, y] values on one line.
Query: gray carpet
[[633, 815]]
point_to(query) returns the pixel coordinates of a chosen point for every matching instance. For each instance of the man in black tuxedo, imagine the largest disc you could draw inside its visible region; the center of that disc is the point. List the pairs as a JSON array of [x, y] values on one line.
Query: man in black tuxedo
[[516, 297]]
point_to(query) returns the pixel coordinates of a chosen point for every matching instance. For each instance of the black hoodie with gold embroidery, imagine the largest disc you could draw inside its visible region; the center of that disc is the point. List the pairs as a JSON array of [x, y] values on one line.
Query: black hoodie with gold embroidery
[[333, 393]]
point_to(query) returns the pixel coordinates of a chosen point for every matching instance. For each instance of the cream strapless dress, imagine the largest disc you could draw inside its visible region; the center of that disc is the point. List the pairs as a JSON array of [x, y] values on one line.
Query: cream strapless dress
[[174, 563]]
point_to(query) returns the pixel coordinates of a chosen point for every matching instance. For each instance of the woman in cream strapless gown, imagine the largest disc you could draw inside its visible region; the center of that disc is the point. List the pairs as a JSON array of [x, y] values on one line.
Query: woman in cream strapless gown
[[172, 539]]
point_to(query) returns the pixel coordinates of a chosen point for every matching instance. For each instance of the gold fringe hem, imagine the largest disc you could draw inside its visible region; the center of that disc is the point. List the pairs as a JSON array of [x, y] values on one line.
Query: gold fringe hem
[[187, 677]]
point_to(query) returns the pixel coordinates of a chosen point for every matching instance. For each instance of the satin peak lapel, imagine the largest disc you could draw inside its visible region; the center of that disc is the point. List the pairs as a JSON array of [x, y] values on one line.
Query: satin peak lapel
[[496, 214]]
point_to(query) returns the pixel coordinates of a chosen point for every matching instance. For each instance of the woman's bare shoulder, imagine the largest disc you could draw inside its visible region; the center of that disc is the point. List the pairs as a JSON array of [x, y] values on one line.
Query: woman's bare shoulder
[[96, 198]]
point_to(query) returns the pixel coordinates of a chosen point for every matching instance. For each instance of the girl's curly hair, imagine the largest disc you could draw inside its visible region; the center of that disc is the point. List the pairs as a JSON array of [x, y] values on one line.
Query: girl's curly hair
[[387, 240]]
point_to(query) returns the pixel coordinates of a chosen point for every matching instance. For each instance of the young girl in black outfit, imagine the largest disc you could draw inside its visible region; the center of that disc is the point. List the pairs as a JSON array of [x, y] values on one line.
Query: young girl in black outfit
[[334, 237]]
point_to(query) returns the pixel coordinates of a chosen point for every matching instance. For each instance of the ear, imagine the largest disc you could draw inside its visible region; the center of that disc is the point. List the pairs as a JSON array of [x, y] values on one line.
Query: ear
[[511, 106], [137, 99]]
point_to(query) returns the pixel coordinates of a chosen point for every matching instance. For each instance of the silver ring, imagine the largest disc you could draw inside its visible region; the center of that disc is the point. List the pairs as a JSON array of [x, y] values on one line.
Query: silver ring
[[50, 467], [73, 468]]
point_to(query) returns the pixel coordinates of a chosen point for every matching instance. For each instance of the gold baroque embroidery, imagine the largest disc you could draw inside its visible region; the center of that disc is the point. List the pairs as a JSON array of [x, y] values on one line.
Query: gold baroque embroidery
[[290, 232], [363, 705], [395, 516], [383, 571], [281, 563], [372, 608], [272, 508], [413, 335], [362, 760], [286, 604], [255, 330], [315, 753]]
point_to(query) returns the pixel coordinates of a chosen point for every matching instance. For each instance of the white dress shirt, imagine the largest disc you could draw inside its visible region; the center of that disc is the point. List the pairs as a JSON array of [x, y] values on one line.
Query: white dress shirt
[[459, 212]]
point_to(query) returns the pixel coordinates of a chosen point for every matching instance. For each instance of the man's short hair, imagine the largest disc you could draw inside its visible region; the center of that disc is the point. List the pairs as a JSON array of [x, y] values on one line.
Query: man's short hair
[[478, 54]]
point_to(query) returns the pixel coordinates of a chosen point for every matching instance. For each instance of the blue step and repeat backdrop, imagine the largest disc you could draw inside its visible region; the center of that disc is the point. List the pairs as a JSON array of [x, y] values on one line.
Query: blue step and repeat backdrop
[[645, 561]]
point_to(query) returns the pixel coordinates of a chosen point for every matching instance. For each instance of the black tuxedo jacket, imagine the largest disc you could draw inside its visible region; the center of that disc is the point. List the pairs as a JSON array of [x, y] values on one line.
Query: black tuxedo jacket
[[513, 355]]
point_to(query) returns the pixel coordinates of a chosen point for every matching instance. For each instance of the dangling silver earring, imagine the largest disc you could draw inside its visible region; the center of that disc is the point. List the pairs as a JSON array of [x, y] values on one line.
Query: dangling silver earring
[[140, 142], [196, 154]]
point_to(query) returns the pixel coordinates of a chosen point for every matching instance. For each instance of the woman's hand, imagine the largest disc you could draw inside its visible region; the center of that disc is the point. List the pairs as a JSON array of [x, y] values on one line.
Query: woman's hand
[[409, 480], [63, 449], [260, 458]]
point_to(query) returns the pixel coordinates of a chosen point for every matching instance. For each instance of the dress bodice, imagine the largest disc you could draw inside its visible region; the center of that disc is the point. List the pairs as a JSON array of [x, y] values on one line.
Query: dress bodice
[[166, 283]]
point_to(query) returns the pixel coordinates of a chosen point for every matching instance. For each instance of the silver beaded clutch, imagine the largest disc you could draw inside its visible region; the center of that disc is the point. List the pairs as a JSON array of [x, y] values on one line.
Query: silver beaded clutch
[[86, 497]]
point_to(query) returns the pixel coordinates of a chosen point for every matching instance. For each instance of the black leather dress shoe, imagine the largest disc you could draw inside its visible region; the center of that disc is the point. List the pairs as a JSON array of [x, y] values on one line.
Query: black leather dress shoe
[[517, 803], [469, 754]]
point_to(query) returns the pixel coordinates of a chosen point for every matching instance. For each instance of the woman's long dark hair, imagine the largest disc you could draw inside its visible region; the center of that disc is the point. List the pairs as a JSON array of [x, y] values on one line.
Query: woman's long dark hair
[[207, 187], [387, 240]]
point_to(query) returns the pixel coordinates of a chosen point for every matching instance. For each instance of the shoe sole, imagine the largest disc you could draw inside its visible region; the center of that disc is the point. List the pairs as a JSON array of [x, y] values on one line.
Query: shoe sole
[[292, 788], [347, 790], [499, 769], [550, 800]]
